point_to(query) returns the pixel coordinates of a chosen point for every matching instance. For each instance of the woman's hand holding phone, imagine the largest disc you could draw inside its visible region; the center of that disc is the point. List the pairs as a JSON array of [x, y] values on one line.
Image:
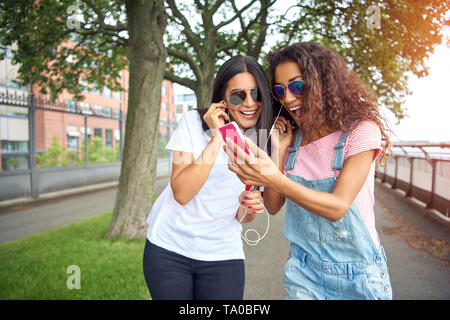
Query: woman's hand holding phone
[[257, 170], [216, 116]]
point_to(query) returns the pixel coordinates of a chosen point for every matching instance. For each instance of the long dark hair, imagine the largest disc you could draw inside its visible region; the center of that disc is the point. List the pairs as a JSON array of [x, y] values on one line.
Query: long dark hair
[[228, 70], [332, 87]]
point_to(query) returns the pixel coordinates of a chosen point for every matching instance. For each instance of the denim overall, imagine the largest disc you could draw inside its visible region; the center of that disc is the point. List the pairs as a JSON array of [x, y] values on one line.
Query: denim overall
[[331, 260]]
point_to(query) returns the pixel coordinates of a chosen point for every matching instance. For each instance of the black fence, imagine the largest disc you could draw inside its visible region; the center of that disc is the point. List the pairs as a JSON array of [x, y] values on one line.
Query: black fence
[[21, 106]]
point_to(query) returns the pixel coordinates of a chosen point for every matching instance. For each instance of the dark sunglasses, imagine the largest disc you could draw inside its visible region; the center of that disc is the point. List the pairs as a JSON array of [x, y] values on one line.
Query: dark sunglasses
[[237, 97], [295, 87]]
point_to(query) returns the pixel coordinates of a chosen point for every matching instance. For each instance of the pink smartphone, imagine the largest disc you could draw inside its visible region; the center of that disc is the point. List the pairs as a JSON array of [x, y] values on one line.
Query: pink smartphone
[[232, 131]]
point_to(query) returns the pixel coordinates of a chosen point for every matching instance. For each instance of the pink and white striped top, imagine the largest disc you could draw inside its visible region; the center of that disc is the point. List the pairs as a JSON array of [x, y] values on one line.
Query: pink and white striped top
[[315, 161]]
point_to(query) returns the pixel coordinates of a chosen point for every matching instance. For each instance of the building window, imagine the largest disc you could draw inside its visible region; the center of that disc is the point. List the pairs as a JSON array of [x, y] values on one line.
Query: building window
[[88, 134], [116, 113], [14, 155], [117, 95], [178, 108], [98, 132], [108, 138], [108, 112], [164, 106], [85, 108], [71, 106], [14, 146], [14, 162], [98, 110], [163, 90], [72, 143]]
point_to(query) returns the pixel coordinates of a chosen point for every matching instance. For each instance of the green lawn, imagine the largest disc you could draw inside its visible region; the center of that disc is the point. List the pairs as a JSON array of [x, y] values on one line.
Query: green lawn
[[35, 267]]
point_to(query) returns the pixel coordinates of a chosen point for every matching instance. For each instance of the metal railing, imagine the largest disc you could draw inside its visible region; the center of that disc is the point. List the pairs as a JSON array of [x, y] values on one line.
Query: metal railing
[[422, 170], [30, 104], [29, 180]]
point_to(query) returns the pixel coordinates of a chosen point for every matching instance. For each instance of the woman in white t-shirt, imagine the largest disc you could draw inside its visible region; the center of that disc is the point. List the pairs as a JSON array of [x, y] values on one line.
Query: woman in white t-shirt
[[194, 248]]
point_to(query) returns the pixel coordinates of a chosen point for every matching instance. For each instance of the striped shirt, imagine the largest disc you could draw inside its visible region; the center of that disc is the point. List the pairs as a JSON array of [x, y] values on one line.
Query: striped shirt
[[315, 161]]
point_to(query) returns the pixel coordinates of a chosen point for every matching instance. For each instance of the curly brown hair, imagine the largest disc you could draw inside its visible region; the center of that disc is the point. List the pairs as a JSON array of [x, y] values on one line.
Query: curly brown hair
[[331, 87]]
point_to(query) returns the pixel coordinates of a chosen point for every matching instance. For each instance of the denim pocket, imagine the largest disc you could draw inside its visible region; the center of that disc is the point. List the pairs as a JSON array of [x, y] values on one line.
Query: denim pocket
[[378, 282], [339, 230]]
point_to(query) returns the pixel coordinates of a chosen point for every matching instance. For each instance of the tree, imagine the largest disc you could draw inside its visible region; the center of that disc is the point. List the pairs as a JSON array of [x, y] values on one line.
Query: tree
[[383, 41], [196, 49], [57, 43]]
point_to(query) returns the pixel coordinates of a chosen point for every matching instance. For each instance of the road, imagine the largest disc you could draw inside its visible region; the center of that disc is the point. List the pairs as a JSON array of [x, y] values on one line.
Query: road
[[417, 247]]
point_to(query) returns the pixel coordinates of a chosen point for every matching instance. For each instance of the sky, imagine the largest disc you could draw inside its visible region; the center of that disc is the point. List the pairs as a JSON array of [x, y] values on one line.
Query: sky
[[428, 107]]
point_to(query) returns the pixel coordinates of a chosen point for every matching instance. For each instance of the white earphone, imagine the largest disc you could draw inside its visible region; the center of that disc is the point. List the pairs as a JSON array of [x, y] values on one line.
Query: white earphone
[[259, 238]]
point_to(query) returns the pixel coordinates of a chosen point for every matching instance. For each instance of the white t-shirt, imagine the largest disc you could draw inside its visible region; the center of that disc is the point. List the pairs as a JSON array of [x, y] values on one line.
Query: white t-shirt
[[205, 228]]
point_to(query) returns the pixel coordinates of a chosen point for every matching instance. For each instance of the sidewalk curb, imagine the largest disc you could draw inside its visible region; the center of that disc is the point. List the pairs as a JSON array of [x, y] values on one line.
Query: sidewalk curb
[[64, 193], [432, 213]]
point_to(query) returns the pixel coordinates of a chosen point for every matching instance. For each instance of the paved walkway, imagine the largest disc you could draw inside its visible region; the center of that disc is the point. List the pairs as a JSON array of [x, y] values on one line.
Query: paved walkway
[[417, 247]]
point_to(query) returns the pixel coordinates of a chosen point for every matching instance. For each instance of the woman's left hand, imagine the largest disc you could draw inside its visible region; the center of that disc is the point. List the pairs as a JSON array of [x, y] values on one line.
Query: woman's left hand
[[256, 171], [252, 201]]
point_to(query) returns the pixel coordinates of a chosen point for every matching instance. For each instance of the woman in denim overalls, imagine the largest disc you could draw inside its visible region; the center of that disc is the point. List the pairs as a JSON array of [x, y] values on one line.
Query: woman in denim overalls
[[333, 254]]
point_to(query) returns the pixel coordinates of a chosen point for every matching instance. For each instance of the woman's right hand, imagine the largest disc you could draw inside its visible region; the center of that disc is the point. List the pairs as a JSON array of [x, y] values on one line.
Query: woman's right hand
[[284, 137], [215, 116]]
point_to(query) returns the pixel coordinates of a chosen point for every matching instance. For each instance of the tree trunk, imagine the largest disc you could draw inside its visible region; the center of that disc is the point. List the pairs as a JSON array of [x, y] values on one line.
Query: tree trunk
[[147, 21], [203, 93], [204, 85]]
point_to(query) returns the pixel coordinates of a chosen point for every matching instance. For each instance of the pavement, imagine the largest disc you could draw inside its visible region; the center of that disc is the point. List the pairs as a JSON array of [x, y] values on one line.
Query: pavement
[[22, 217], [416, 243]]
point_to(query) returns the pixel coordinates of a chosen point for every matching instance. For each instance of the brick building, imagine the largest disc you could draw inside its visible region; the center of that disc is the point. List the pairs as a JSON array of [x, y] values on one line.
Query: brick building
[[69, 128]]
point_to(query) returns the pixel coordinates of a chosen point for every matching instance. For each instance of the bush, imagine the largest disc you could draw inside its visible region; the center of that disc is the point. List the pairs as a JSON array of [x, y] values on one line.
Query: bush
[[57, 155], [53, 156]]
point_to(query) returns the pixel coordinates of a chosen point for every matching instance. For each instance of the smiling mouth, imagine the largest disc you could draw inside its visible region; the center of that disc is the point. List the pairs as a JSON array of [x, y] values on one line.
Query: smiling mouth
[[248, 114], [297, 113]]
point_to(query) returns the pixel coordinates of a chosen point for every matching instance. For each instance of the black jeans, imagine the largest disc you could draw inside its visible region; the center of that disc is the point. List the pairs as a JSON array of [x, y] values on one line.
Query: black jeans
[[176, 277]]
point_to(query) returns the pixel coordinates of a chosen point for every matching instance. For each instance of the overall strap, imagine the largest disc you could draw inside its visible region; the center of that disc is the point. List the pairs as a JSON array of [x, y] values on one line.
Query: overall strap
[[293, 151], [338, 161]]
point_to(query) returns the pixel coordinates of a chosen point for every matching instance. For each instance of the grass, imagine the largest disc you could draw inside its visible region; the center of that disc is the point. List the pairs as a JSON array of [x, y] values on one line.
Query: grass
[[35, 267]]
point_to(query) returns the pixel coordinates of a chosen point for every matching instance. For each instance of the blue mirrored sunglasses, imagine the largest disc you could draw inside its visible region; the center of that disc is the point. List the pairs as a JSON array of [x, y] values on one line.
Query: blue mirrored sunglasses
[[295, 87]]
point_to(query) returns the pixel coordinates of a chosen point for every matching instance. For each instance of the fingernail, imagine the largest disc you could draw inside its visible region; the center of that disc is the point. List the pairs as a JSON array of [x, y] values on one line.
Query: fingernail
[[245, 197], [243, 202], [254, 212], [249, 207]]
